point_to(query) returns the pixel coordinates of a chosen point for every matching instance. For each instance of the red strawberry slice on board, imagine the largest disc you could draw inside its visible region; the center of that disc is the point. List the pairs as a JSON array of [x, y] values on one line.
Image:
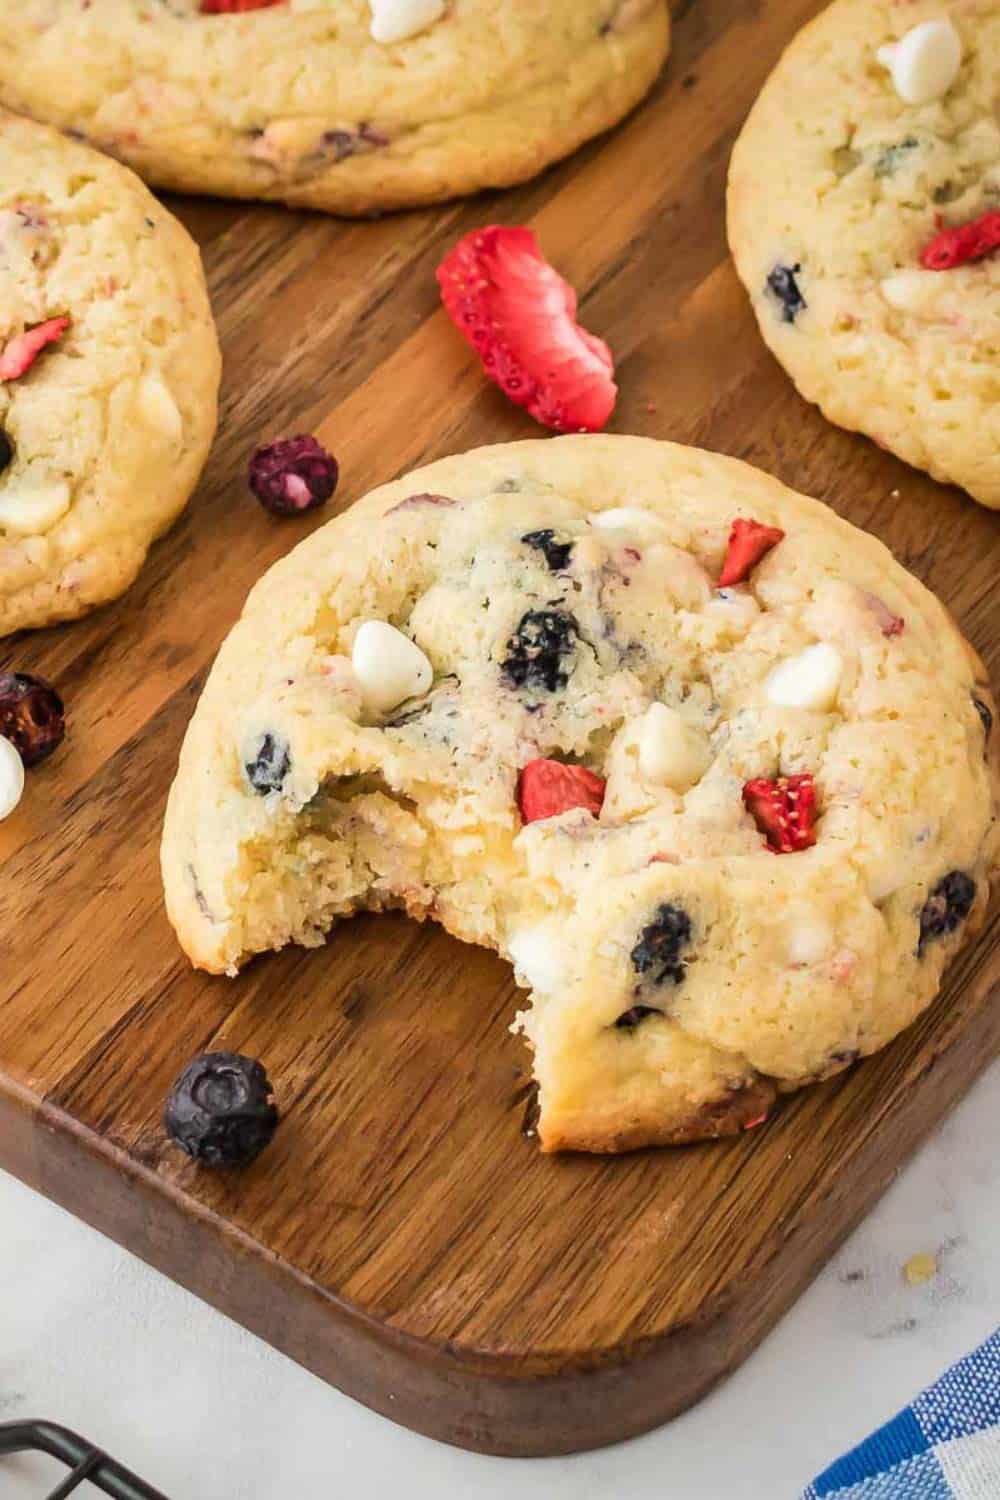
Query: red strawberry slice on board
[[784, 810], [546, 788], [520, 317], [749, 541], [20, 353]]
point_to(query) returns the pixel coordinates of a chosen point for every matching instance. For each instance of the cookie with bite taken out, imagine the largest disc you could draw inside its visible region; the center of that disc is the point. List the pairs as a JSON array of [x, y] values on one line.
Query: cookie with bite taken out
[[712, 771], [864, 220], [342, 105]]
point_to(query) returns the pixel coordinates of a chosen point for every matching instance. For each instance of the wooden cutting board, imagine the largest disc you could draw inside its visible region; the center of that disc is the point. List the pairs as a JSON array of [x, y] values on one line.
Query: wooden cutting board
[[403, 1237]]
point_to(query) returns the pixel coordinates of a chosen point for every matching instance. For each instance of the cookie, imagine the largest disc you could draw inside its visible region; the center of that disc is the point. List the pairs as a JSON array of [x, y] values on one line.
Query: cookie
[[729, 836], [339, 107], [876, 131], [109, 371]]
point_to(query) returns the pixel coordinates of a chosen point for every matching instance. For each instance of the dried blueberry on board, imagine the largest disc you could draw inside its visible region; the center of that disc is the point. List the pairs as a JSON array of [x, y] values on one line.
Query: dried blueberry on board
[[947, 906], [221, 1110], [782, 285], [557, 554], [6, 451], [293, 475], [270, 764], [539, 650], [657, 954], [32, 716], [629, 1019]]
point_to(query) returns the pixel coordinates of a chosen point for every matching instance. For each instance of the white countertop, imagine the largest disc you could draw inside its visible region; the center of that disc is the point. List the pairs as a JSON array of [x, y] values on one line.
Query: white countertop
[[91, 1338]]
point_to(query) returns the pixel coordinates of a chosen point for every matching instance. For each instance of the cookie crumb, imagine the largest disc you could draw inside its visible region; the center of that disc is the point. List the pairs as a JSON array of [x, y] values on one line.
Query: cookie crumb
[[920, 1269]]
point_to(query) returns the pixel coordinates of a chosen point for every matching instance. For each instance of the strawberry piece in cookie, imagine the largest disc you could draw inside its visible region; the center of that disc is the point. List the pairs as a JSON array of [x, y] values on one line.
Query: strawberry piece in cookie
[[520, 317], [228, 7], [21, 352], [888, 623], [784, 810], [963, 244], [549, 787], [749, 541]]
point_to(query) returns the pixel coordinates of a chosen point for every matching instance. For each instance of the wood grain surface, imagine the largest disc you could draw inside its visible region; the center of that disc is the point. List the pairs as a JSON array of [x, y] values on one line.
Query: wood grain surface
[[403, 1237]]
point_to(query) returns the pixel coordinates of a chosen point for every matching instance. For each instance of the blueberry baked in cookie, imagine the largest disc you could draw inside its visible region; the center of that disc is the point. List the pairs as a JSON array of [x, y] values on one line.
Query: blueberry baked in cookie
[[864, 219], [712, 771], [109, 373], [351, 106]]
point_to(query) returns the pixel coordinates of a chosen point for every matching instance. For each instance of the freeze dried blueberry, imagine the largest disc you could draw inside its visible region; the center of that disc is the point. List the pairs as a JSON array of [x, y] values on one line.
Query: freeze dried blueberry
[[344, 143], [271, 763], [556, 554], [6, 451], [32, 716], [657, 954], [985, 715], [629, 1019], [844, 1056], [538, 650], [890, 158], [782, 285], [947, 906], [293, 475], [221, 1110]]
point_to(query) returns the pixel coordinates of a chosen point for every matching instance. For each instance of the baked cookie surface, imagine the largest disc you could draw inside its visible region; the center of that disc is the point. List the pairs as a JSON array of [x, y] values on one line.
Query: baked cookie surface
[[560, 604], [838, 185], [109, 373], [299, 102]]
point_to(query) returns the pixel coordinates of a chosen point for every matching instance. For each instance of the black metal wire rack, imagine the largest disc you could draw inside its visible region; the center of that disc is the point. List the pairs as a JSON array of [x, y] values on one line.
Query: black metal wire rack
[[87, 1464]]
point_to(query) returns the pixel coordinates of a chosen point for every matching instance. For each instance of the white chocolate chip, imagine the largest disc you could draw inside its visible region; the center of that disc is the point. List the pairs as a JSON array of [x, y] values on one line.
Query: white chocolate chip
[[810, 937], [159, 409], [389, 667], [11, 778], [641, 523], [672, 752], [809, 680], [735, 606], [911, 291], [396, 20], [31, 507], [925, 62], [536, 955]]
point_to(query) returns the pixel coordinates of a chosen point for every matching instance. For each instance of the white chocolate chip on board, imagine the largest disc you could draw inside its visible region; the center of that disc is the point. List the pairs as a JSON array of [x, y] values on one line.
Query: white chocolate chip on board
[[924, 63], [397, 20], [389, 667], [809, 680], [672, 752], [11, 778]]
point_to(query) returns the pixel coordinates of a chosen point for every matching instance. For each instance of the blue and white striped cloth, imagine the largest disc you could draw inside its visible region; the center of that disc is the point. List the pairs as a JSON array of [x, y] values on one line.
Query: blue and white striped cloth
[[944, 1446]]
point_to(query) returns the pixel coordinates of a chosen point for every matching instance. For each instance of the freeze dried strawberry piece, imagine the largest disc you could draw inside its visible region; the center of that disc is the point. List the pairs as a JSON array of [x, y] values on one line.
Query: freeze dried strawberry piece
[[888, 623], [228, 7], [965, 243], [749, 541], [784, 810], [546, 788], [20, 353], [520, 317]]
